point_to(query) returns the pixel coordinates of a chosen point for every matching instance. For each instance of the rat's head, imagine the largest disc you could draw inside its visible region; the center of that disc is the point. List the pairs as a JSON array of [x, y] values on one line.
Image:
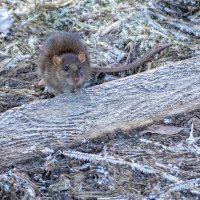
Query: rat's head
[[72, 68]]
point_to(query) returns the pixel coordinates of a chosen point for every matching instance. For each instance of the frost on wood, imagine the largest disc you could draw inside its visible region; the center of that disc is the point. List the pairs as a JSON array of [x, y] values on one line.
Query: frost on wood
[[123, 104]]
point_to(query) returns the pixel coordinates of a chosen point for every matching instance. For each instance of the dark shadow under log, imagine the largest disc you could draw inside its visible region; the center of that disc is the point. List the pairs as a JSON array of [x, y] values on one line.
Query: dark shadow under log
[[124, 104]]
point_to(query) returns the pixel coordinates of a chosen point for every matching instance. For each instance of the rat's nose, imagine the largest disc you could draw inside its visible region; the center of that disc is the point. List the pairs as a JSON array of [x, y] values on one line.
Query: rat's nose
[[76, 79]]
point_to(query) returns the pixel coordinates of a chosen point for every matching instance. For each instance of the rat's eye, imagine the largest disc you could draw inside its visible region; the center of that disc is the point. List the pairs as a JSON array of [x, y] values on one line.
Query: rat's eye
[[79, 67], [66, 67]]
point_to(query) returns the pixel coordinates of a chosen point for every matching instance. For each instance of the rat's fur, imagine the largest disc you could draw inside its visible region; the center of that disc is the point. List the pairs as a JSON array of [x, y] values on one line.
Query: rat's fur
[[66, 48]]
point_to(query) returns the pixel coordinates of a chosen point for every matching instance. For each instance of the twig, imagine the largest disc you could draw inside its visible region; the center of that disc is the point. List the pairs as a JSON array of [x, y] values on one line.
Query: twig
[[191, 140], [185, 27], [22, 177], [2, 57], [132, 47], [120, 161], [136, 63], [182, 186]]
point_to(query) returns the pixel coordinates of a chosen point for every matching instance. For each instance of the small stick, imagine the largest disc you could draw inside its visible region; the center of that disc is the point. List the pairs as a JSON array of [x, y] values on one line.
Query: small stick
[[133, 46], [136, 63]]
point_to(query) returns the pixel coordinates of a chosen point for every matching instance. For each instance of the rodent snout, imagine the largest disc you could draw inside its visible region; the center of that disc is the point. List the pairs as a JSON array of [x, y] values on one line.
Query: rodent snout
[[76, 79]]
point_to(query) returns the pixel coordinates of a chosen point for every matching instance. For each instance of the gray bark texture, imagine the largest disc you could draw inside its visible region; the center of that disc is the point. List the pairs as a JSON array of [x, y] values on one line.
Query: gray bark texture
[[120, 105]]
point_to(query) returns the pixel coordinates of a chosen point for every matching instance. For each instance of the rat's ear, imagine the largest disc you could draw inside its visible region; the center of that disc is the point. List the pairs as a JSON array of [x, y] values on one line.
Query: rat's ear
[[57, 60], [81, 57]]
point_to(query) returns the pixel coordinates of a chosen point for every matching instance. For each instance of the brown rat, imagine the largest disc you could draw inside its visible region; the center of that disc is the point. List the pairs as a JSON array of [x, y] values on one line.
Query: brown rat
[[64, 63], [65, 66]]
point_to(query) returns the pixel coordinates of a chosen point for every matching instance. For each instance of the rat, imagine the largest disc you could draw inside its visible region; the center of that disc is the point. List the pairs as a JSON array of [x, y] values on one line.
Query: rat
[[64, 63]]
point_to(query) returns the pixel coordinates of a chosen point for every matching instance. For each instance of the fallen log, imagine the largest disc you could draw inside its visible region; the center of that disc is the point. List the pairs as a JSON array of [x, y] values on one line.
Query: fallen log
[[124, 104]]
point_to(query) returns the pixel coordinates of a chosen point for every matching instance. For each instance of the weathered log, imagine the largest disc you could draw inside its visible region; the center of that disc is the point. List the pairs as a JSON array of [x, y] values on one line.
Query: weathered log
[[124, 104]]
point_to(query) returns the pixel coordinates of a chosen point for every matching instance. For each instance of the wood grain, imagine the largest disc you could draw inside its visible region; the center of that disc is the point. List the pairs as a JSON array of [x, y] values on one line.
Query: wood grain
[[120, 105]]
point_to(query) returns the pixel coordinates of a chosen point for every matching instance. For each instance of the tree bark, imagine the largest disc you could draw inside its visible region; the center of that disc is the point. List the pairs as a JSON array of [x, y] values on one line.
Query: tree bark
[[121, 105]]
